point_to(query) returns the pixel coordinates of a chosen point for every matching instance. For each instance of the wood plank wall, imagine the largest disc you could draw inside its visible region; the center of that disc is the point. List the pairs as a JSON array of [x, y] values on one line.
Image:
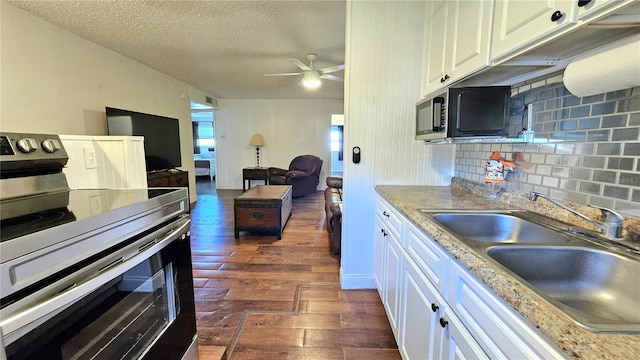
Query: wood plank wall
[[383, 76]]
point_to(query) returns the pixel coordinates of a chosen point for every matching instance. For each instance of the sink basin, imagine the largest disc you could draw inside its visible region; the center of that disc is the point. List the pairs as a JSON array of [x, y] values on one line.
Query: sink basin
[[598, 289], [498, 228]]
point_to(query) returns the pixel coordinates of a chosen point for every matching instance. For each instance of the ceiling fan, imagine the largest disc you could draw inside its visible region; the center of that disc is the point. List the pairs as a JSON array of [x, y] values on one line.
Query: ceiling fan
[[312, 76]]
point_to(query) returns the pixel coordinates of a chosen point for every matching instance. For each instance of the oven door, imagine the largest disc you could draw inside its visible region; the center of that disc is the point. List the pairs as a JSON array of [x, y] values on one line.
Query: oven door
[[142, 307]]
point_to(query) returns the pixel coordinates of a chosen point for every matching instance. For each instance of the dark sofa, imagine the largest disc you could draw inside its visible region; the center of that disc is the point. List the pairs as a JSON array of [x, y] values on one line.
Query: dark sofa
[[332, 203]]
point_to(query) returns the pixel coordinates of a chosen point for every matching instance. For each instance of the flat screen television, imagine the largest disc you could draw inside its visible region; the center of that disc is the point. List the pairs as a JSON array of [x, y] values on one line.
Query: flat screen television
[[161, 136]]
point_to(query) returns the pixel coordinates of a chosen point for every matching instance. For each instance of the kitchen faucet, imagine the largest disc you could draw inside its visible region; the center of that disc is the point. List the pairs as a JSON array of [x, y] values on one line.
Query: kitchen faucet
[[610, 227]]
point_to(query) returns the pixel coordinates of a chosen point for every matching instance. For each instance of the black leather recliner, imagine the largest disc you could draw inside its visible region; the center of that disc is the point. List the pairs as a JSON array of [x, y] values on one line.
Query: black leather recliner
[[303, 175]]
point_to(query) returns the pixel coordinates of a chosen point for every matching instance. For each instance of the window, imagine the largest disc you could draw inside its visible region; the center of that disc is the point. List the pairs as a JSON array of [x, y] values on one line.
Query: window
[[336, 139], [203, 137]]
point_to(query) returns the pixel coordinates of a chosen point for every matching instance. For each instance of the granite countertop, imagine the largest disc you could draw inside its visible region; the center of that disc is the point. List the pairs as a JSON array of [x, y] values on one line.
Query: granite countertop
[[574, 340]]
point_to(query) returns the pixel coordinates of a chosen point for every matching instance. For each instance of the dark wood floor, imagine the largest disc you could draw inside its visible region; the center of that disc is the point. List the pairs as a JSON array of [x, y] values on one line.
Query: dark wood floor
[[264, 298]]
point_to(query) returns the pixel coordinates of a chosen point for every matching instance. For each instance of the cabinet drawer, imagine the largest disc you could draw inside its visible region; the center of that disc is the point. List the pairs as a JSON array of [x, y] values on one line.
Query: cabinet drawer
[[500, 330], [159, 182], [257, 217], [390, 217], [178, 180], [428, 255], [255, 173]]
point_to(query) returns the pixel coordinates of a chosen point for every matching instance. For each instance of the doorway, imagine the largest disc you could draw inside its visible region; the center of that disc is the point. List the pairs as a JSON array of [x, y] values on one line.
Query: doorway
[[204, 143]]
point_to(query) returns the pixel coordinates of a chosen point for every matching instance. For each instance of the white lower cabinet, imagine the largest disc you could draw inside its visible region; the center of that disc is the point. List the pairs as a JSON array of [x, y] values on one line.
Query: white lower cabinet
[[387, 267], [438, 309], [428, 328]]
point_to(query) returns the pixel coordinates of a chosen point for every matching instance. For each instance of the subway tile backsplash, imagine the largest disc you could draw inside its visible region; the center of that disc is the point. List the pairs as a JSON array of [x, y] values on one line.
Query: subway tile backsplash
[[587, 150]]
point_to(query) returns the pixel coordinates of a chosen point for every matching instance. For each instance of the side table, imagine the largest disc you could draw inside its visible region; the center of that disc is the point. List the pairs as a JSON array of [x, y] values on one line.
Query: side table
[[254, 173]]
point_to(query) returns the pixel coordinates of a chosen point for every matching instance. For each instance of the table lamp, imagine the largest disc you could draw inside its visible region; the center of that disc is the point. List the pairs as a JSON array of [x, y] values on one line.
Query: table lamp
[[257, 141]]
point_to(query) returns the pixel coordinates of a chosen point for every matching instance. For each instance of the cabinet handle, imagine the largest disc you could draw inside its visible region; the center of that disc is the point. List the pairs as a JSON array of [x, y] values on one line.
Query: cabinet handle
[[434, 307], [443, 322], [557, 15], [445, 78], [385, 213], [582, 3]]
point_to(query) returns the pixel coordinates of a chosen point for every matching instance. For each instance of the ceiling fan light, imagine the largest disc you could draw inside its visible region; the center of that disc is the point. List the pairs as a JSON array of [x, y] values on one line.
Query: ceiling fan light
[[311, 80]]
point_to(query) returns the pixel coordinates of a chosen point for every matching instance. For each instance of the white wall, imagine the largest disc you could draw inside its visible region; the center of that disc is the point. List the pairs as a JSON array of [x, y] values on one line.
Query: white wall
[[56, 82], [289, 128], [383, 72]]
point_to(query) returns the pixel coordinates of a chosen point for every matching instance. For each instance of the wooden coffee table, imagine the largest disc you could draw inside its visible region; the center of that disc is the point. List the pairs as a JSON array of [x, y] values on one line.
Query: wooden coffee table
[[264, 208]]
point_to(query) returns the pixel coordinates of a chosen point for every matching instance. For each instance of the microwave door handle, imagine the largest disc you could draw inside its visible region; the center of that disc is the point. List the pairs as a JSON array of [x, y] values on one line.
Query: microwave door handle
[[458, 109], [437, 114]]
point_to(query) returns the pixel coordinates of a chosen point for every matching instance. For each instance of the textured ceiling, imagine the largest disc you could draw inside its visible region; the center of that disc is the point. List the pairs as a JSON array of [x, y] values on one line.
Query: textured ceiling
[[220, 47]]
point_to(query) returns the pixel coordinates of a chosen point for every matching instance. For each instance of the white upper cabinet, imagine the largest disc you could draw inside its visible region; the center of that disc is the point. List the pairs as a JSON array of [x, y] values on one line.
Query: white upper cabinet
[[465, 38], [468, 36], [456, 41], [621, 11], [519, 24], [435, 41], [588, 8]]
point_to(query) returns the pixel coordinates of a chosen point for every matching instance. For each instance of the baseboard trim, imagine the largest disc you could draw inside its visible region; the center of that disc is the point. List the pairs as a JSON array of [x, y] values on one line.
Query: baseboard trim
[[356, 281]]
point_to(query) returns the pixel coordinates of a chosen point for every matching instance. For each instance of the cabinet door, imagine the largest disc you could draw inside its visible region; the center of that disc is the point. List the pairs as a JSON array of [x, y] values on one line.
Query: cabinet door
[[593, 7], [457, 343], [419, 337], [468, 28], [456, 41], [379, 251], [518, 24], [392, 293], [435, 50]]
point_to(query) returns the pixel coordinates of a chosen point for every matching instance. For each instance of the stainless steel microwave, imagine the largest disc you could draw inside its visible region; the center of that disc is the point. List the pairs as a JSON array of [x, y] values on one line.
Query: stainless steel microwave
[[464, 112]]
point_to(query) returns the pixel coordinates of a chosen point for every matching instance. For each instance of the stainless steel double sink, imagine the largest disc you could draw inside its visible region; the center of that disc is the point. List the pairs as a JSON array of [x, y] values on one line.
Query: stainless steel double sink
[[598, 286]]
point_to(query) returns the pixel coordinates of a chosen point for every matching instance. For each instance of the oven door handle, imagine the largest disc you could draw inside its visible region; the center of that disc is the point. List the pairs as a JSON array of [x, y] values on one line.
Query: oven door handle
[[36, 315]]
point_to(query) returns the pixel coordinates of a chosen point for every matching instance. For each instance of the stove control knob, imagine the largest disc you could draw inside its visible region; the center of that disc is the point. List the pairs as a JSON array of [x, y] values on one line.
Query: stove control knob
[[51, 145], [27, 145]]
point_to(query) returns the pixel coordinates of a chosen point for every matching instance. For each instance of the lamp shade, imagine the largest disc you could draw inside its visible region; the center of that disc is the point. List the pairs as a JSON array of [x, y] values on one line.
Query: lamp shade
[[257, 140]]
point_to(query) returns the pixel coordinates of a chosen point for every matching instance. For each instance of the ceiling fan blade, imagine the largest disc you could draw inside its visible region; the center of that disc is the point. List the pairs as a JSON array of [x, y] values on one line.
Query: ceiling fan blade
[[284, 74], [331, 69], [331, 77], [300, 64]]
